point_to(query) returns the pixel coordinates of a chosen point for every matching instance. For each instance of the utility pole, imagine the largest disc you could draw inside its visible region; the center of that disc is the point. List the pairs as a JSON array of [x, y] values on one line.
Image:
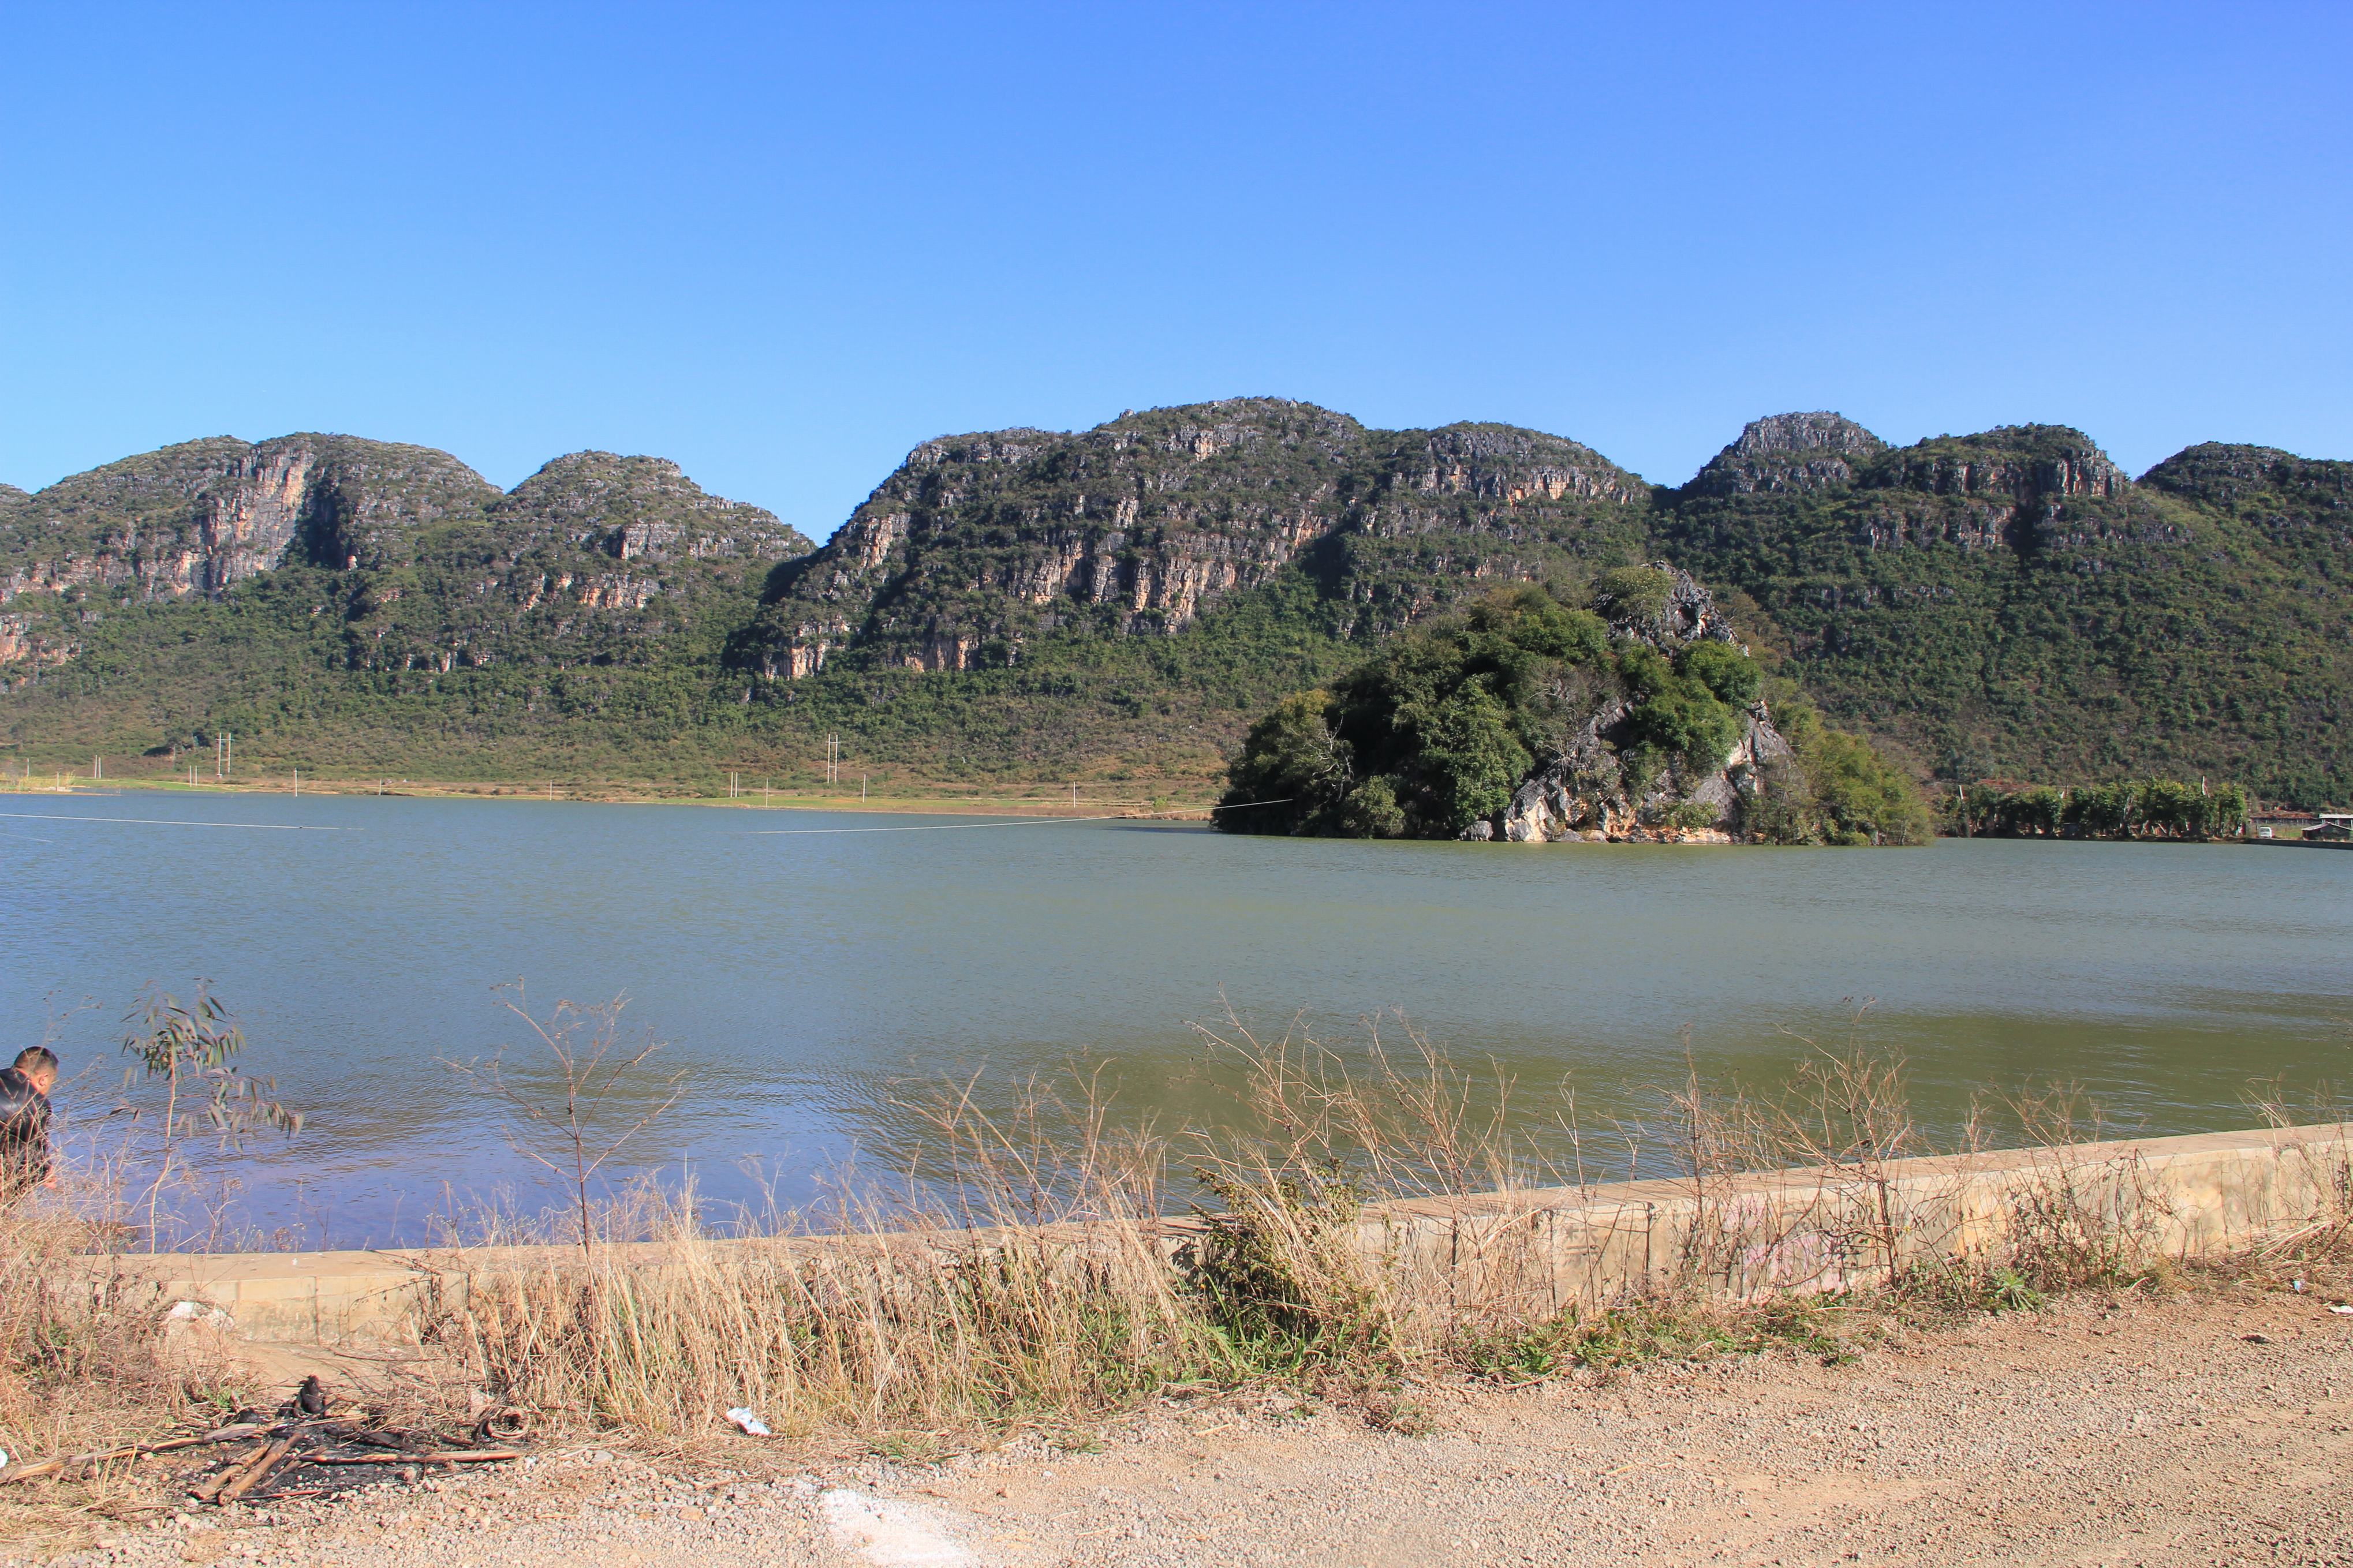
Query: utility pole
[[861, 789]]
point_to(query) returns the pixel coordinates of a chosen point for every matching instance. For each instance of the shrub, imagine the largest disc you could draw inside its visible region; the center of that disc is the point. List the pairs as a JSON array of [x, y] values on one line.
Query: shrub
[[1636, 594], [1371, 810], [1860, 798], [1833, 789], [1724, 669], [1687, 723]]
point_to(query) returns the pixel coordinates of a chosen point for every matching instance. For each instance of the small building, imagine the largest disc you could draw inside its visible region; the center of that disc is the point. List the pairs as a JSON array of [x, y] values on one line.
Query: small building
[[2331, 830]]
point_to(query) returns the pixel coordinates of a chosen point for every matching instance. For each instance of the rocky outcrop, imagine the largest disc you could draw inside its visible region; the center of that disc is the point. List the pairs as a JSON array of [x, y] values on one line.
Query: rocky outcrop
[[1587, 791], [1498, 463], [1686, 612], [2303, 507], [30, 639], [448, 572], [205, 515], [1139, 527], [2026, 487], [1789, 452], [2221, 474], [980, 542], [596, 559], [2028, 464], [640, 509]]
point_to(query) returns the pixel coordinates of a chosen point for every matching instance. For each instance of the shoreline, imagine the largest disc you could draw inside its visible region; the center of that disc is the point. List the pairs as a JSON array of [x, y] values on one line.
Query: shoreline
[[1787, 1230], [1043, 807], [1818, 1417], [1004, 808]]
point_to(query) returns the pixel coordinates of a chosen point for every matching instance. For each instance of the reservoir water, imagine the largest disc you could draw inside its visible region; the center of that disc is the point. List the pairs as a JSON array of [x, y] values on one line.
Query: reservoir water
[[802, 979]]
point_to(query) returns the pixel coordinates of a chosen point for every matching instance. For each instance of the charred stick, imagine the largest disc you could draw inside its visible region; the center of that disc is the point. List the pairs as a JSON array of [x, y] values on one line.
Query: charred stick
[[434, 1456], [250, 1477]]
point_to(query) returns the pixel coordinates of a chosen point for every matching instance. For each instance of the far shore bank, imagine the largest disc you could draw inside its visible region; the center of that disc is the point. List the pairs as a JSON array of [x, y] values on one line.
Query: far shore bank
[[1090, 803]]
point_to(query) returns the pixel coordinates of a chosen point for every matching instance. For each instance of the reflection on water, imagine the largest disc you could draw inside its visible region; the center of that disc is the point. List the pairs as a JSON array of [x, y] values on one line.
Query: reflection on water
[[800, 975]]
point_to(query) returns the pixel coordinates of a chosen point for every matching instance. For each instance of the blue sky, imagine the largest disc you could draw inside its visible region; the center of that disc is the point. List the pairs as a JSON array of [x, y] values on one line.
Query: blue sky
[[783, 246]]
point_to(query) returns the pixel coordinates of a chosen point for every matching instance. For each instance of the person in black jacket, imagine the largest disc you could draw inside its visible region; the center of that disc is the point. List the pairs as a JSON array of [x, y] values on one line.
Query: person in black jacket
[[25, 1123]]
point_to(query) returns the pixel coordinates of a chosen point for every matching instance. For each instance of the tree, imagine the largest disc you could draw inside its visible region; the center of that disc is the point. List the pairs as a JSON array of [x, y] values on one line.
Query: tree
[[1471, 760], [1293, 769], [596, 1104], [191, 1047]]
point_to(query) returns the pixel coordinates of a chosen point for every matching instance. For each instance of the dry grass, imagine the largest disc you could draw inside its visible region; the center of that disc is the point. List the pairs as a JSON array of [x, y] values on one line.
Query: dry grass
[[85, 1364], [1057, 1260]]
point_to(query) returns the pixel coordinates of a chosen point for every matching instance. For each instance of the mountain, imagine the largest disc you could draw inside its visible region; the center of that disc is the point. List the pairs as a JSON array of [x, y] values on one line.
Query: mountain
[[2011, 602], [1125, 601], [979, 546]]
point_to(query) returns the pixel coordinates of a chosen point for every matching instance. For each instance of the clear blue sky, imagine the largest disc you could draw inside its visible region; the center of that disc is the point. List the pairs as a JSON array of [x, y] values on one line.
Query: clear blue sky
[[783, 246]]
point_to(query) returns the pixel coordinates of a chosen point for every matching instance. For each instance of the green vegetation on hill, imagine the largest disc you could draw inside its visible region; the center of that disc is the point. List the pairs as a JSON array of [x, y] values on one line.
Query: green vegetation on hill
[[1437, 732], [2128, 808], [1443, 734], [1128, 600], [2009, 603]]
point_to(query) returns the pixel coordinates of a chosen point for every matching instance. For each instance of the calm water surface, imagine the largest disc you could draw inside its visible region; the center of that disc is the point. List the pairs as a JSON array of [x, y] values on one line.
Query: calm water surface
[[799, 976]]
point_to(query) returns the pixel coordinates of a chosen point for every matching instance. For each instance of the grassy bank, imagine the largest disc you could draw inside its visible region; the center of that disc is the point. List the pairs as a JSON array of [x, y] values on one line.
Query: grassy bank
[[743, 790], [1046, 1268]]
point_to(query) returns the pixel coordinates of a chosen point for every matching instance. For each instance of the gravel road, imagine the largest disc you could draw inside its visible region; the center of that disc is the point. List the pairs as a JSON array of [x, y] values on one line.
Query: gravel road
[[2204, 1429]]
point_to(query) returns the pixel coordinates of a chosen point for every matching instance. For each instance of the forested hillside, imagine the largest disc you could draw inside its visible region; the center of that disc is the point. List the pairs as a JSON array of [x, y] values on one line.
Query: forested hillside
[[2011, 603], [1128, 600]]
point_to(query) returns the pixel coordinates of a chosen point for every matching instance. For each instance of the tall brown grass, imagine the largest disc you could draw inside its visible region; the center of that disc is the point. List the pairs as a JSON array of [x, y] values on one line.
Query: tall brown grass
[[1354, 1214]]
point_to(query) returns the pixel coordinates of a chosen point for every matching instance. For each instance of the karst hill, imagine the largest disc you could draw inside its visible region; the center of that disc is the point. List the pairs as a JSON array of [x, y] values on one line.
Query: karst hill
[[1126, 600]]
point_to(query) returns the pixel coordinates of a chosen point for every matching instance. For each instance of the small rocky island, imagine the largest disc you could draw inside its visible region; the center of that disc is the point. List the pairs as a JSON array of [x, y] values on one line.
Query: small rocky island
[[1623, 710]]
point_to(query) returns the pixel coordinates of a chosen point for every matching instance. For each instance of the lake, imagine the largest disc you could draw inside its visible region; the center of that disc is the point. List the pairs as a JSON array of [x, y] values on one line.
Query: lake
[[804, 970]]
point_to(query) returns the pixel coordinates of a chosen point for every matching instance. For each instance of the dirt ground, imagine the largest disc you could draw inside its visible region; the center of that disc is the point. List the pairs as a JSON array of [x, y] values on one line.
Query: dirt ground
[[2215, 1427]]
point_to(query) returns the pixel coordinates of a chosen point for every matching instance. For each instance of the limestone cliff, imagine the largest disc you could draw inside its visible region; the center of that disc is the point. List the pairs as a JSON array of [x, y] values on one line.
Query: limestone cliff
[[979, 545], [1587, 790], [2004, 602], [1789, 452], [198, 517], [436, 568]]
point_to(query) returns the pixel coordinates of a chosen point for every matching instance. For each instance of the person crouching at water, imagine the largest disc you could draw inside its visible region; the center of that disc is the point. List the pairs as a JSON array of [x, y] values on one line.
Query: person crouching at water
[[25, 1123]]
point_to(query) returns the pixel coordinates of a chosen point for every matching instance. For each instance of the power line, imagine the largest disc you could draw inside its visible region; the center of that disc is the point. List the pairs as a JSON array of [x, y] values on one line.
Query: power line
[[1018, 821], [175, 822]]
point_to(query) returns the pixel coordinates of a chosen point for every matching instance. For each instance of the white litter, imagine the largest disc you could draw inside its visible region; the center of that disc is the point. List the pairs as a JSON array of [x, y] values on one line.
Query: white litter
[[891, 1534], [197, 1312], [2347, 1310], [749, 1422]]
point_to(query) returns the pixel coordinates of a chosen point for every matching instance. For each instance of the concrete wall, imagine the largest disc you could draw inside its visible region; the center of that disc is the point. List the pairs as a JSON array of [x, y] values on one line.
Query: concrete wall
[[1538, 1250]]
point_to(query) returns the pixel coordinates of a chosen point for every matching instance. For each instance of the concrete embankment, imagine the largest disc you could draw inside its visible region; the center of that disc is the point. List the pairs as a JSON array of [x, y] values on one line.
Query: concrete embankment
[[1735, 1236]]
